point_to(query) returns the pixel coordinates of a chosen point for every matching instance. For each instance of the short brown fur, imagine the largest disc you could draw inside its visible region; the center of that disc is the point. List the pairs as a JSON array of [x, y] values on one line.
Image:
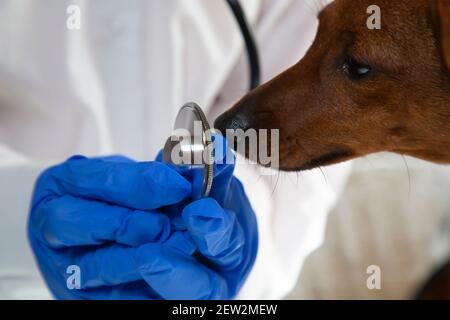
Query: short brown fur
[[325, 117]]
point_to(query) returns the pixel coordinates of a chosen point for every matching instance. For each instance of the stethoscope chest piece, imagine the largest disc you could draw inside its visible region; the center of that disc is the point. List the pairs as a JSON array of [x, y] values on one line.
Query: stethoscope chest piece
[[190, 147]]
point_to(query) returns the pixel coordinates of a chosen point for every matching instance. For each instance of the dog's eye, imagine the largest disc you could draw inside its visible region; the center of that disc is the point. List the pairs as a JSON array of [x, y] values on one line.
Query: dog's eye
[[356, 70]]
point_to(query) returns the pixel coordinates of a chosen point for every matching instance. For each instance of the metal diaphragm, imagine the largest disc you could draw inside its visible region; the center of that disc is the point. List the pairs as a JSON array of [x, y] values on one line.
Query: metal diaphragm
[[190, 147]]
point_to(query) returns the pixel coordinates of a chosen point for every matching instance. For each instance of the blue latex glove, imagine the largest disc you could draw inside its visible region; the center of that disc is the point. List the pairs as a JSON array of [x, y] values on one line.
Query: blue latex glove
[[126, 226], [222, 226]]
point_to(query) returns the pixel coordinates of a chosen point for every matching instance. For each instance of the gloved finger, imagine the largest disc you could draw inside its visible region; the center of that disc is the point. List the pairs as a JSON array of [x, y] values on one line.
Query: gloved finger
[[136, 290], [69, 221], [173, 274], [144, 186], [224, 158], [99, 266], [216, 232], [224, 164], [112, 158], [182, 241]]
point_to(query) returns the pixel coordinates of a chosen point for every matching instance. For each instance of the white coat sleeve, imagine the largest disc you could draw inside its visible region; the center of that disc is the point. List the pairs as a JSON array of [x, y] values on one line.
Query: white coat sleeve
[[112, 87], [291, 211], [42, 122]]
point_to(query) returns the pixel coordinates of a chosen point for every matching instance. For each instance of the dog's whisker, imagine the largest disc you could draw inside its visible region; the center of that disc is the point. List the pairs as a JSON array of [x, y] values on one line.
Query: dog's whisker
[[369, 161], [405, 162], [311, 6], [324, 175], [290, 178], [409, 176], [276, 183], [320, 168], [299, 176], [260, 175]]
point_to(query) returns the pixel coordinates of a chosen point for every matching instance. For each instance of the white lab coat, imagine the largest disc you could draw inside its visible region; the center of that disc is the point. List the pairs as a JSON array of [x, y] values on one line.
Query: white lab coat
[[115, 86]]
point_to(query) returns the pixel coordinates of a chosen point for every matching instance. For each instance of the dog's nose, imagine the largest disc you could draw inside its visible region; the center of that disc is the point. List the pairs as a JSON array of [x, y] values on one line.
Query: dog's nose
[[230, 120]]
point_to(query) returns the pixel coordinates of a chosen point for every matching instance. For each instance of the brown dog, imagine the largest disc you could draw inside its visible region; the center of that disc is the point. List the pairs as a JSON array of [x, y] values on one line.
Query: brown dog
[[359, 91]]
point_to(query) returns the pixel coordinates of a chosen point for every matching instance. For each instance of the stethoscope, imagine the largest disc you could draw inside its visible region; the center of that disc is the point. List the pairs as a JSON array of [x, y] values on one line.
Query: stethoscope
[[250, 44], [191, 146]]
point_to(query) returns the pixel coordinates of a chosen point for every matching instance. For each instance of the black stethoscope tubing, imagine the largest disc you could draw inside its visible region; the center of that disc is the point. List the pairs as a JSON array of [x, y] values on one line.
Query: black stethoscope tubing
[[250, 43]]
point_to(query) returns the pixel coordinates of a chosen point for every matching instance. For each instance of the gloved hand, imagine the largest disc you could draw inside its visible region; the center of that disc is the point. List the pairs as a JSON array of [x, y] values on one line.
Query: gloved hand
[[127, 227], [222, 226]]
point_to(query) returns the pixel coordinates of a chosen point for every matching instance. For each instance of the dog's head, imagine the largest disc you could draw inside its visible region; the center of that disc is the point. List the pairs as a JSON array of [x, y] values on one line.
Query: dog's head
[[359, 90]]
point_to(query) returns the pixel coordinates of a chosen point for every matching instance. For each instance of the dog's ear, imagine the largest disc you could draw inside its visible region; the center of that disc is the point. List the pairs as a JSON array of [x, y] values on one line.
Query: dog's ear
[[443, 17]]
